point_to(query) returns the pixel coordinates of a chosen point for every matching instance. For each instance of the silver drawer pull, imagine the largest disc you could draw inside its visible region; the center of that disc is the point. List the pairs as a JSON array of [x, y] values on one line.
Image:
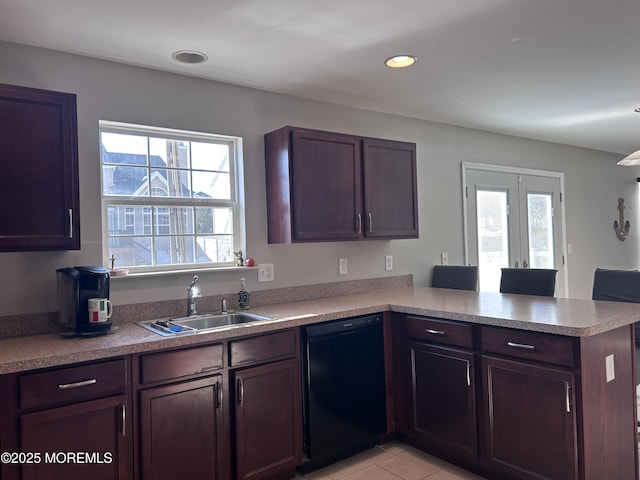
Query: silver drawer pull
[[83, 383], [434, 332], [521, 345]]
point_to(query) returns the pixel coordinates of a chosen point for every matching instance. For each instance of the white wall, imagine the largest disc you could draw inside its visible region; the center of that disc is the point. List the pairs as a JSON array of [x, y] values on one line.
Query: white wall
[[110, 91]]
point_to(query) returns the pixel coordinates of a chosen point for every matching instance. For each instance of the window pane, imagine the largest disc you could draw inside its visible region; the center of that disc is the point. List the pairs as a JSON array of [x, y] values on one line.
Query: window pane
[[540, 215], [215, 248], [493, 238], [128, 181], [131, 251], [170, 153], [170, 183], [121, 148], [173, 220], [210, 156], [127, 220], [212, 185], [173, 250], [214, 220]]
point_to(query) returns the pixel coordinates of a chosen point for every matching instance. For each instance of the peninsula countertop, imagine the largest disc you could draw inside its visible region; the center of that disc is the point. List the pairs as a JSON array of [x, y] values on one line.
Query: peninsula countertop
[[561, 316]]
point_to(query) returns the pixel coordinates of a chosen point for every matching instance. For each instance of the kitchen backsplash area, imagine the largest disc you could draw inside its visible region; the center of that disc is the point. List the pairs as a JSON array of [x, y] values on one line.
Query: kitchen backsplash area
[[42, 323]]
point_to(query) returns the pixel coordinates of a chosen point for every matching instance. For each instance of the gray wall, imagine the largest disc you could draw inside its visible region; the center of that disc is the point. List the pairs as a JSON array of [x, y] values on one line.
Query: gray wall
[[111, 91]]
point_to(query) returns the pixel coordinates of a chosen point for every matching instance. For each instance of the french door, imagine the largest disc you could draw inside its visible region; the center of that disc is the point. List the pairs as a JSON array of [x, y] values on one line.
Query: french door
[[513, 219]]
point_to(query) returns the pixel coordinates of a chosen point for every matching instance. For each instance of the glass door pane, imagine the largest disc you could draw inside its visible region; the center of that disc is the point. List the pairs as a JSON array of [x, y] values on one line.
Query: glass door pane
[[493, 237], [540, 226], [513, 220]]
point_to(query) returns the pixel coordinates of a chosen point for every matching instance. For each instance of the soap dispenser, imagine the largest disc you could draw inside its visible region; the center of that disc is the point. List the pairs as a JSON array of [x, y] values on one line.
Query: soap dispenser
[[243, 296]]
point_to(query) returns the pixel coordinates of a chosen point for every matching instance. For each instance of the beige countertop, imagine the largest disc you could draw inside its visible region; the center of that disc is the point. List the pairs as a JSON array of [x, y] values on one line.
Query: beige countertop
[[570, 317]]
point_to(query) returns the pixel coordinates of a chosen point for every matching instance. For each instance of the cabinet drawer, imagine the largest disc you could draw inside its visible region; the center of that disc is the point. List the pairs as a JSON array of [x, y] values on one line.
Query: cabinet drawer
[[157, 367], [263, 348], [542, 347], [72, 384], [440, 331]]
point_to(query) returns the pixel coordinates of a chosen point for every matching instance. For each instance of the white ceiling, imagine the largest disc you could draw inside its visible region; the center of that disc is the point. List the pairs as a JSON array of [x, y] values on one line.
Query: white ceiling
[[565, 71]]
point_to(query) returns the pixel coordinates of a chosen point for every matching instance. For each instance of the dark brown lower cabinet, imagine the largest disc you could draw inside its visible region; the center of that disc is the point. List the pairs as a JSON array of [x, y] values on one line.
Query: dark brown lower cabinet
[[86, 440], [181, 430], [531, 421], [268, 420], [446, 420]]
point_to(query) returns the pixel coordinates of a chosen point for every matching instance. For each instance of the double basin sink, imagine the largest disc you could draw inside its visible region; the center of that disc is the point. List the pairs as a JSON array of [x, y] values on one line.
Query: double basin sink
[[199, 323]]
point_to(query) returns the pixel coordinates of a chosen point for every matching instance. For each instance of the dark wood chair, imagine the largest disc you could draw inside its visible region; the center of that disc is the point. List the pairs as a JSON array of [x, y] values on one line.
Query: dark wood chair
[[459, 277], [529, 281], [617, 286]]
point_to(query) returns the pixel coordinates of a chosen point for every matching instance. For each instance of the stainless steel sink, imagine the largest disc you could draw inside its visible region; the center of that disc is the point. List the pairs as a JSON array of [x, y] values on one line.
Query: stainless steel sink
[[199, 323]]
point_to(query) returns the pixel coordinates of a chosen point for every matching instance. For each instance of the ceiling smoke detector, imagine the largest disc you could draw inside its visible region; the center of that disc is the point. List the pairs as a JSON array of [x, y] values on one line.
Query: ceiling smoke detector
[[189, 56]]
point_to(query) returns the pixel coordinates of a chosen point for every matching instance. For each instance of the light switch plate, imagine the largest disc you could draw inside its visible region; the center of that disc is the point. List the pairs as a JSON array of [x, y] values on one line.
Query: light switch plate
[[444, 257], [388, 263], [265, 272], [342, 266], [610, 368]]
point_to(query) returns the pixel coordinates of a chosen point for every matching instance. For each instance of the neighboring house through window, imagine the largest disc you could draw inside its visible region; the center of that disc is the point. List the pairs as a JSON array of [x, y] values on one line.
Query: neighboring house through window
[[171, 199]]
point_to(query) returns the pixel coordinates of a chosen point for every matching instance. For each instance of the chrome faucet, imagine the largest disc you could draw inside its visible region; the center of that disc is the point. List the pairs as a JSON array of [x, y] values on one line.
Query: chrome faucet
[[223, 305], [193, 292]]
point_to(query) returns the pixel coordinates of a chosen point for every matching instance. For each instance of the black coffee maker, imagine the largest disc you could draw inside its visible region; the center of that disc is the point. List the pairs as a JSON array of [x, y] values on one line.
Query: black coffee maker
[[75, 287]]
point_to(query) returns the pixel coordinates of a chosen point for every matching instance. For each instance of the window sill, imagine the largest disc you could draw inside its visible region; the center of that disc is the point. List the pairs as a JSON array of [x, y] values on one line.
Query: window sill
[[182, 271]]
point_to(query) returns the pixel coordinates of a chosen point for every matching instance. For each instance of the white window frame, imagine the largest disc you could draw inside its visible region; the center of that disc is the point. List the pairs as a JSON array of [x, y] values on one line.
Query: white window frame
[[236, 203]]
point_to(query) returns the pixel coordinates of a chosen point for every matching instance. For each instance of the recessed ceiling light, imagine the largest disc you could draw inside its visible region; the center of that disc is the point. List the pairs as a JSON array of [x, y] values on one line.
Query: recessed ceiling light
[[400, 61], [189, 56], [637, 110]]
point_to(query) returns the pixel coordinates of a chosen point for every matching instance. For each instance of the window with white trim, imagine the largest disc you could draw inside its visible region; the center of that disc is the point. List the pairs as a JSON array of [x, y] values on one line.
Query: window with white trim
[[171, 199]]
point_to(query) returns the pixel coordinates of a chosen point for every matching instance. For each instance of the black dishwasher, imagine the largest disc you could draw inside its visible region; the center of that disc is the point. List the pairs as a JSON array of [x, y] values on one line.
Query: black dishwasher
[[344, 389]]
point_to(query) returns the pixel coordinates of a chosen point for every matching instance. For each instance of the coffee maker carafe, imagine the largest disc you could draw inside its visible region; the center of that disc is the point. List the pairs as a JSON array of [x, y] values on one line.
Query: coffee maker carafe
[[76, 285]]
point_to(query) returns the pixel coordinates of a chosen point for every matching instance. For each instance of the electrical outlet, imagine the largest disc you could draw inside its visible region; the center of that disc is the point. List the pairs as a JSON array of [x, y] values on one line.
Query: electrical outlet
[[444, 257], [342, 266], [265, 272], [388, 263]]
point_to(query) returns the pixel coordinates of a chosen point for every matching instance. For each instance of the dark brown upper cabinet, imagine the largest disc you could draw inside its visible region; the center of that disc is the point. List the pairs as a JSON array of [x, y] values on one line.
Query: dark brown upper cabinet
[[326, 186], [39, 164]]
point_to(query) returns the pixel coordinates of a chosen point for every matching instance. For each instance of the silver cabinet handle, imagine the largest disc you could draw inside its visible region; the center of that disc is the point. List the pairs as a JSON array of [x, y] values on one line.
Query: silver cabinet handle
[[359, 223], [567, 391], [522, 346], [434, 332], [70, 223], [124, 419], [240, 391], [370, 223], [83, 383], [219, 394], [468, 373]]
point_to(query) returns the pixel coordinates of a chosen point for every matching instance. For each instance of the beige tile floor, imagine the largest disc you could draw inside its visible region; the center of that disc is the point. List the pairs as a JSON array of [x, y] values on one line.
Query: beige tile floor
[[391, 461]]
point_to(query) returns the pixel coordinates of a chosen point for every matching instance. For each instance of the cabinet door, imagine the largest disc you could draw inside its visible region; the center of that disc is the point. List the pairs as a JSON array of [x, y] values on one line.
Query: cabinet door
[[443, 398], [530, 430], [390, 186], [86, 440], [39, 181], [181, 429], [326, 173], [268, 420]]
